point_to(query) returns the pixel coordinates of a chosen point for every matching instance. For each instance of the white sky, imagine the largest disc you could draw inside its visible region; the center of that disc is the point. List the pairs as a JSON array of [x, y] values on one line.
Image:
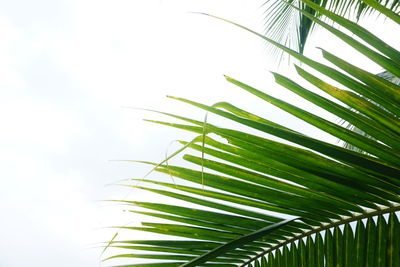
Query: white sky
[[67, 69]]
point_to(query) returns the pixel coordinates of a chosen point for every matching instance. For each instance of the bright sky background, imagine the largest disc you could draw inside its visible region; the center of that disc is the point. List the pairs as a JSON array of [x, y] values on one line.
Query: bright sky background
[[69, 69]]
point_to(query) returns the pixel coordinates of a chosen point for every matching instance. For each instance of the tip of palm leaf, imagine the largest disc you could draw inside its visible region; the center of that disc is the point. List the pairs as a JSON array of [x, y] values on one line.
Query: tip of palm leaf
[[153, 121], [297, 67], [116, 182], [207, 14], [228, 78], [145, 162], [198, 13], [109, 243], [109, 258], [137, 179], [274, 73], [120, 202], [130, 107]]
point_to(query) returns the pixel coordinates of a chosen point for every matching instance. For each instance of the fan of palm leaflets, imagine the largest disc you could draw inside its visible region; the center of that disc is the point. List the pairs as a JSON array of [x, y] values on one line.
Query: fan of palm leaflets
[[286, 25], [342, 203]]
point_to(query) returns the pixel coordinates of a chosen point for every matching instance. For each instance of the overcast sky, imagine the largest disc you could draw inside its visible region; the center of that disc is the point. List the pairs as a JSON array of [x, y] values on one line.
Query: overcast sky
[[68, 72]]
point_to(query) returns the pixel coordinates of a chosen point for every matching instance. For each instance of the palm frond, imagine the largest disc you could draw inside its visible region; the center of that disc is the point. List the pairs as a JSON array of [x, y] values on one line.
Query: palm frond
[[385, 75], [288, 25], [250, 200]]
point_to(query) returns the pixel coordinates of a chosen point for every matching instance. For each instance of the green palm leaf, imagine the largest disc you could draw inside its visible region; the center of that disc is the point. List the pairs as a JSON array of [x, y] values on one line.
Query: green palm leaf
[[291, 200], [291, 25]]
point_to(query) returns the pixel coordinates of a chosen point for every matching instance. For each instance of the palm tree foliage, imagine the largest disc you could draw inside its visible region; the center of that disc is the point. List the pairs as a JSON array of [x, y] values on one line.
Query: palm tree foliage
[[297, 202], [290, 25], [385, 75]]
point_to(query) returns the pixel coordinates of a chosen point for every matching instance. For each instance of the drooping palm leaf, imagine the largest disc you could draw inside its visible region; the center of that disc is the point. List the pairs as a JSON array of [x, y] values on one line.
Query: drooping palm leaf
[[262, 202]]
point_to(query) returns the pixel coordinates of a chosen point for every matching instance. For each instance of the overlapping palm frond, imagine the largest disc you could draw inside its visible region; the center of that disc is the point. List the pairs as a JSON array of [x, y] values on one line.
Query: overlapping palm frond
[[299, 202], [288, 25], [385, 75]]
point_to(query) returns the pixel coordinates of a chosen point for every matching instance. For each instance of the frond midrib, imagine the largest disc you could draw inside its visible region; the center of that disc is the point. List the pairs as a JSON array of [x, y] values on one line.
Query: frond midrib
[[348, 219]]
